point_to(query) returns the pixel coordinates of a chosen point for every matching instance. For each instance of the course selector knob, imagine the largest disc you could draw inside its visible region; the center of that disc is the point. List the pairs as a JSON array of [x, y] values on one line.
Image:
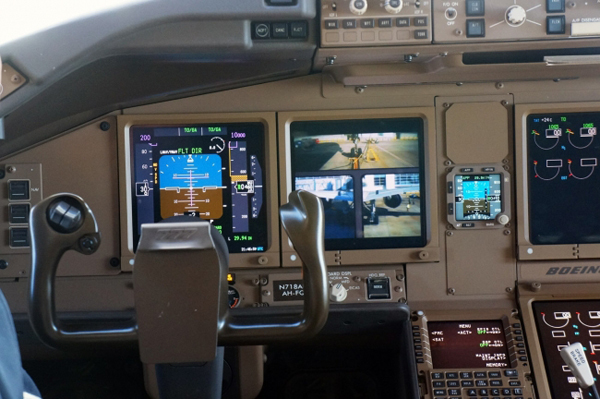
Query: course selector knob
[[338, 293], [516, 15], [358, 7], [393, 6]]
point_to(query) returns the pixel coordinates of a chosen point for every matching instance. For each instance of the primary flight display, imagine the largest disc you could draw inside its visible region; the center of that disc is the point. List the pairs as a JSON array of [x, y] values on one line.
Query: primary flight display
[[211, 172]]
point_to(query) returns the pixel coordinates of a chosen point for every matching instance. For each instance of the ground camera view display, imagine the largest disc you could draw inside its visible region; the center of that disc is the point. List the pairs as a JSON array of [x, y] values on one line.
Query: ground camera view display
[[368, 174]]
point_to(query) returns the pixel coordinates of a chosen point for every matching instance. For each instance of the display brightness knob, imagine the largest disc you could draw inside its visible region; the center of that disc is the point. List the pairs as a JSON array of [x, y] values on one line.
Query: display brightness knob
[[393, 6], [358, 7], [338, 293]]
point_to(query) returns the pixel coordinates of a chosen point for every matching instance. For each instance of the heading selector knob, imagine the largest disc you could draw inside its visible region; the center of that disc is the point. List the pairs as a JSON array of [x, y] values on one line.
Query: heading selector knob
[[516, 15], [393, 6], [358, 7]]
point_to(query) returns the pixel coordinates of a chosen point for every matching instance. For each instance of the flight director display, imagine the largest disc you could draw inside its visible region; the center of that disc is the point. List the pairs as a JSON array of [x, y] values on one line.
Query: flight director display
[[369, 176], [564, 180], [212, 172]]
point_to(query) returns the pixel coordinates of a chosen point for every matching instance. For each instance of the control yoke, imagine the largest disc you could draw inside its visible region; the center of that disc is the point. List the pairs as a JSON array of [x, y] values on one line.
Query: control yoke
[[179, 275]]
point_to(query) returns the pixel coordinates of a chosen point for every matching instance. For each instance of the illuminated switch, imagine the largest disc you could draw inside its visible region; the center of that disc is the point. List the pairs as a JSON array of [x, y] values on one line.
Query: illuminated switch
[[19, 237], [475, 8], [18, 213], [18, 190], [379, 288], [555, 5]]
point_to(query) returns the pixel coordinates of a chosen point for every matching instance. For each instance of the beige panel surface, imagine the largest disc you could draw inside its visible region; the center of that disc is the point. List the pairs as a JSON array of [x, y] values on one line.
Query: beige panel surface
[[84, 162], [480, 262], [477, 132], [581, 271]]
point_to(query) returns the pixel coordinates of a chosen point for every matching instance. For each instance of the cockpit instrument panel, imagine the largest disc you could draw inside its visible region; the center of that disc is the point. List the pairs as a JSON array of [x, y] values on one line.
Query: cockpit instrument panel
[[212, 172], [369, 173]]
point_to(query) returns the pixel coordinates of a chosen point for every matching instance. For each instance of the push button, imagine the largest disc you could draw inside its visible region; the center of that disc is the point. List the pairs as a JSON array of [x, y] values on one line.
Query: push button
[[19, 237], [299, 30], [331, 24], [280, 30], [476, 28], [262, 31], [555, 5], [421, 21], [421, 34], [18, 213], [475, 8], [367, 23], [349, 24], [384, 22], [378, 288], [555, 25], [18, 190], [402, 22]]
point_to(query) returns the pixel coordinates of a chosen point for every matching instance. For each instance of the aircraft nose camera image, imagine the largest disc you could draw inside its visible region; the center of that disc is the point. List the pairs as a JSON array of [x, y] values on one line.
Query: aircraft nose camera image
[[369, 176]]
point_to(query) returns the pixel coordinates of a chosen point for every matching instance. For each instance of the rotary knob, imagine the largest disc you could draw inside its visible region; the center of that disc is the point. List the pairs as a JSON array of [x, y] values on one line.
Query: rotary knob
[[358, 7], [338, 293], [502, 219], [393, 6], [516, 15]]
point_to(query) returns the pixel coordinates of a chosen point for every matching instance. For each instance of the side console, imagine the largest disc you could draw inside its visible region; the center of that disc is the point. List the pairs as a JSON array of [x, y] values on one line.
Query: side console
[[471, 354]]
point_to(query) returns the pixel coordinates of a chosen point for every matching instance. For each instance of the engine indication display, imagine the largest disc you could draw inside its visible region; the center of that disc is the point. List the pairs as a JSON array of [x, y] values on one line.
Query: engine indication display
[[468, 344], [564, 185], [210, 172], [478, 197]]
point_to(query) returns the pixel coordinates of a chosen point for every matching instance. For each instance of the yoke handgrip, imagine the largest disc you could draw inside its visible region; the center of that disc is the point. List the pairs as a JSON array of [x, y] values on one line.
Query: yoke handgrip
[[58, 224], [303, 219]]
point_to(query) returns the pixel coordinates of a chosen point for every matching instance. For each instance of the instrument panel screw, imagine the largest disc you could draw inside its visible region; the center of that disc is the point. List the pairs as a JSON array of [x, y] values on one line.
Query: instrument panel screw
[[357, 279], [398, 289], [15, 79], [402, 300], [114, 262], [263, 260], [423, 255], [556, 80], [400, 277], [509, 289], [451, 291], [256, 281], [459, 84], [444, 54], [499, 85], [11, 169], [88, 244], [536, 286], [447, 163], [506, 167], [104, 126], [449, 233], [3, 264], [266, 292], [506, 232], [264, 281], [360, 89], [504, 102], [446, 105]]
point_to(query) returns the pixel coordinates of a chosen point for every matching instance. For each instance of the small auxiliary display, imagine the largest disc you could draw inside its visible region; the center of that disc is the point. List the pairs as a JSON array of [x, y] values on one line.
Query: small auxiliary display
[[478, 197]]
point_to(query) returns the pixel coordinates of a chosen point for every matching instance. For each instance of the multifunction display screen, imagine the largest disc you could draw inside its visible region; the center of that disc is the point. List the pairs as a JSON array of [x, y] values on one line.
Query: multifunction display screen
[[478, 197], [564, 185], [211, 172], [369, 176], [468, 344], [560, 324]]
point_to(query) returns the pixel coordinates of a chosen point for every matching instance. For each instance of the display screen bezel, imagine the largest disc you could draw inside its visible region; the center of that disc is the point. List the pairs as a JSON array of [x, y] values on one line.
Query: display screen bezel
[[463, 175], [367, 126]]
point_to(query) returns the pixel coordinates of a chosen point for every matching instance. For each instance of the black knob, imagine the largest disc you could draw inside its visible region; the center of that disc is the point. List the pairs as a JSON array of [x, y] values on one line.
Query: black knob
[[65, 215]]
